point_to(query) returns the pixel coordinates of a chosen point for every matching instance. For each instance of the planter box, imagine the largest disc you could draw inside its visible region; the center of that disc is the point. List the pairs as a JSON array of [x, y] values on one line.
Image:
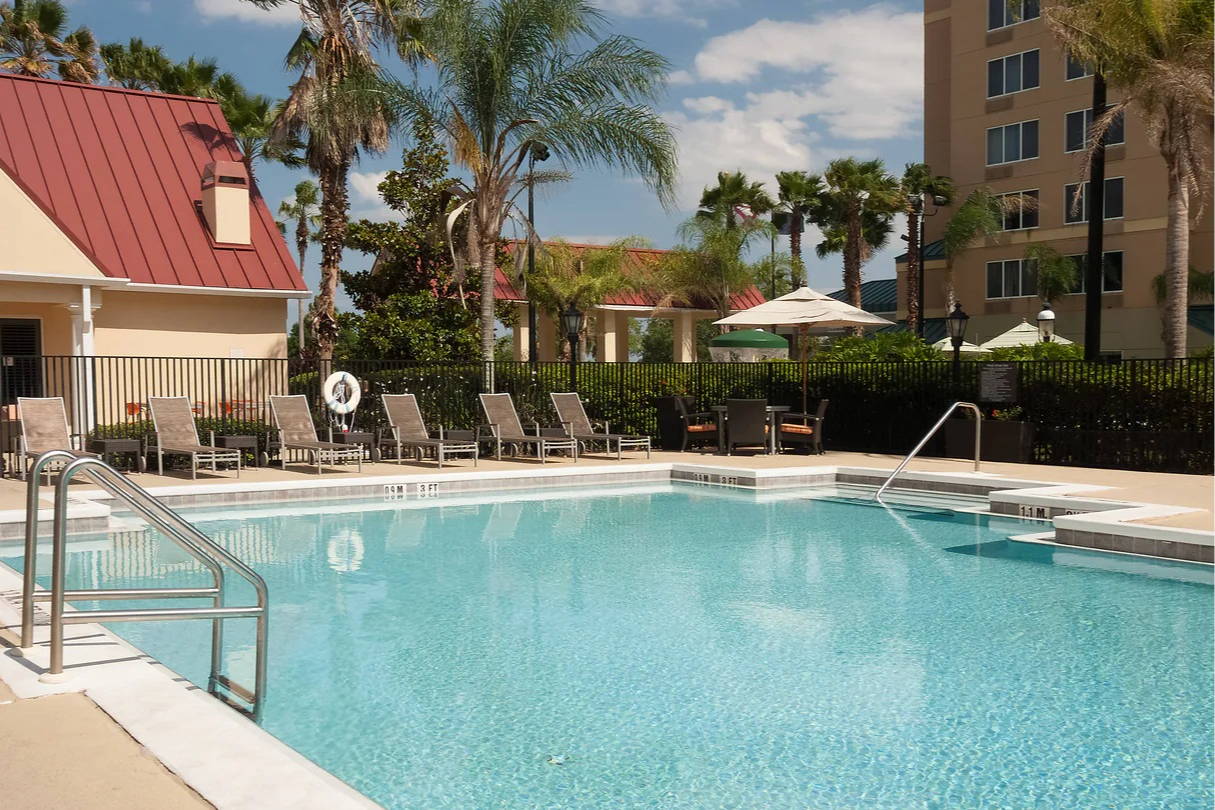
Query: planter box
[[670, 426], [1001, 441]]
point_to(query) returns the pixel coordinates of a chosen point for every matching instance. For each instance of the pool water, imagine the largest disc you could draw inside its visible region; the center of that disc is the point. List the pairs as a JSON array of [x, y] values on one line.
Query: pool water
[[692, 647]]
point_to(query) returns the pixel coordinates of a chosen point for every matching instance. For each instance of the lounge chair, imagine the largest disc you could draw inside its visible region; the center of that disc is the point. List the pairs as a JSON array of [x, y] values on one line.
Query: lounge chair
[[503, 427], [406, 429], [44, 427], [574, 419], [803, 428], [177, 435], [746, 424], [696, 426], [296, 432]]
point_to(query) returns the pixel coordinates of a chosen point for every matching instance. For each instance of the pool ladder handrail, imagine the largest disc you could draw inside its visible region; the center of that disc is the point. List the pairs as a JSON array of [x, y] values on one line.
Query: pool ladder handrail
[[212, 556], [949, 412]]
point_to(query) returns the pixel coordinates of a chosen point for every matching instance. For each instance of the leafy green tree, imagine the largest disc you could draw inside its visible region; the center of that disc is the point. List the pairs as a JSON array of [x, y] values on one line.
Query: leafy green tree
[[409, 301], [1036, 351], [513, 73], [1057, 274], [856, 188], [734, 190], [1158, 53], [799, 196], [34, 41], [657, 344], [917, 182], [879, 347], [135, 66]]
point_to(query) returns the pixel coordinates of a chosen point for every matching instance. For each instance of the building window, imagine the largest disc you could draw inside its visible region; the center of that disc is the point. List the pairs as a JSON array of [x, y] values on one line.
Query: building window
[[1111, 273], [1077, 69], [1113, 201], [1012, 142], [1012, 74], [1003, 13], [1076, 126], [1014, 278], [1020, 219]]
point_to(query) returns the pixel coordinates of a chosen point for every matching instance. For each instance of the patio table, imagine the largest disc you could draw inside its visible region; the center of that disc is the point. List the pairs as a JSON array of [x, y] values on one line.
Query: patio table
[[720, 410]]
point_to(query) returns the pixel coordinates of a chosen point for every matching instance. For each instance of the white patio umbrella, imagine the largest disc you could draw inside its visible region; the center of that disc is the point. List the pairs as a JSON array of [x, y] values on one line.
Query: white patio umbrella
[[1023, 334], [946, 345], [805, 309]]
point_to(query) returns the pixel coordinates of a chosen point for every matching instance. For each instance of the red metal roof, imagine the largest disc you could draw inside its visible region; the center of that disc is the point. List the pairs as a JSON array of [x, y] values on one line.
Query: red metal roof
[[119, 172], [639, 261]]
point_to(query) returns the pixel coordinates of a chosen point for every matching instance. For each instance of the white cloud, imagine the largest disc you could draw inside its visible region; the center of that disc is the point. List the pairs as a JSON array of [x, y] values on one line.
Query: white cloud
[[365, 185], [672, 9], [681, 77], [285, 14]]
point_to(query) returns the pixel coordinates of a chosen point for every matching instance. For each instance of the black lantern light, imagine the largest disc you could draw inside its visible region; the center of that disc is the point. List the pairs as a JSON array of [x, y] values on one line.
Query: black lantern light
[[572, 321], [955, 325], [1046, 323]]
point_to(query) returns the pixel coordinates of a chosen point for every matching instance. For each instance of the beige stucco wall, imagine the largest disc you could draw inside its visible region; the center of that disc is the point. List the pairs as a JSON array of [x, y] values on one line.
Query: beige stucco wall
[[175, 325], [31, 242]]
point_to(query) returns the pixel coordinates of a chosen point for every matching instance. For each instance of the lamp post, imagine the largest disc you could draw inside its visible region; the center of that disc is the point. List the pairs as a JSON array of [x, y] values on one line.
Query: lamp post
[[572, 320], [1046, 323], [955, 325], [920, 210], [537, 151]]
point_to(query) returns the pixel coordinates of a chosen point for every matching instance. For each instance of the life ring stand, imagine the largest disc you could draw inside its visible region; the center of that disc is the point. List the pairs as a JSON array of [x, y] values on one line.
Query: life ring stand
[[343, 403]]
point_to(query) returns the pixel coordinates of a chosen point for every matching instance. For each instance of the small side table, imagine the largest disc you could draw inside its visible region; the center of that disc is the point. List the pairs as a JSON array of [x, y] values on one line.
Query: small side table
[[364, 440], [112, 447], [239, 443]]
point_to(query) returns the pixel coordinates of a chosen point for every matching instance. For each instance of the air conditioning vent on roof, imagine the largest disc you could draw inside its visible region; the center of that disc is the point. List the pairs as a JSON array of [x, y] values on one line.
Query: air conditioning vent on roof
[[225, 201]]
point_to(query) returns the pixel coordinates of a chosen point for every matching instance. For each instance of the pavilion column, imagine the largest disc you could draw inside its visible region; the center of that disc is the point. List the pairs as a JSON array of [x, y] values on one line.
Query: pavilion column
[[522, 332], [622, 337], [685, 337], [550, 341], [606, 344]]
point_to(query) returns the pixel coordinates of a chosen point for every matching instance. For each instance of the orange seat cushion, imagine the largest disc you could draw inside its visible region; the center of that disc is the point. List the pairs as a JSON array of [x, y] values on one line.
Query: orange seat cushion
[[701, 428], [805, 430]]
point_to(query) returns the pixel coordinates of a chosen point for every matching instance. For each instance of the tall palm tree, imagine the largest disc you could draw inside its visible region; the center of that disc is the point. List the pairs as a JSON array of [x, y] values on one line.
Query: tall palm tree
[[981, 214], [1056, 274], [335, 50], [734, 190], [252, 119], [135, 66], [860, 195], [582, 278], [799, 195], [1159, 54], [34, 41], [516, 72], [917, 182], [304, 212]]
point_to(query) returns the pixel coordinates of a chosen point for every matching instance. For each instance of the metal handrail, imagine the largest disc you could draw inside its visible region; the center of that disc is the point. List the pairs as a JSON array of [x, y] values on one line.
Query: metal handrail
[[949, 412], [174, 526]]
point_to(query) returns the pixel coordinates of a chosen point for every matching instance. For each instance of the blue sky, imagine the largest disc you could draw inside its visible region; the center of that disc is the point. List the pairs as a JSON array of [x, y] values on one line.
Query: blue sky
[[756, 86]]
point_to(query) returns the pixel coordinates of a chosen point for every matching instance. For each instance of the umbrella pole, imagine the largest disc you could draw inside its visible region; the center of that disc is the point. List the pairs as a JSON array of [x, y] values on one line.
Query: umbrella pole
[[805, 331]]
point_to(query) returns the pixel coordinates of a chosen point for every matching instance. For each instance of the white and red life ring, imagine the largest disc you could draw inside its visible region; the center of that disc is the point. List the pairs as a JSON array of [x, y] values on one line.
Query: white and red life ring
[[341, 391]]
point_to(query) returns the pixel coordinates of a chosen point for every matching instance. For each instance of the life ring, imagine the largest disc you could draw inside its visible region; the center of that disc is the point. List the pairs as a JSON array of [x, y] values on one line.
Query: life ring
[[340, 381]]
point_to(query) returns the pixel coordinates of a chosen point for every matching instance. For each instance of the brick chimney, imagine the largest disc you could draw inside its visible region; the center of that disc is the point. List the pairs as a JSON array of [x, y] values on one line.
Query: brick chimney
[[225, 201]]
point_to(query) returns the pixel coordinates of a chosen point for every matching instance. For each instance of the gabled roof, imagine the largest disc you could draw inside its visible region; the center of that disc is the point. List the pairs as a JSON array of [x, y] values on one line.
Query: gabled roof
[[879, 295], [120, 171], [639, 263], [932, 251]]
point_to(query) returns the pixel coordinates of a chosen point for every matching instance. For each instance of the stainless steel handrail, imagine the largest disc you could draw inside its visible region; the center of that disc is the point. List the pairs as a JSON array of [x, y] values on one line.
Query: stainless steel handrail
[[187, 536], [978, 432]]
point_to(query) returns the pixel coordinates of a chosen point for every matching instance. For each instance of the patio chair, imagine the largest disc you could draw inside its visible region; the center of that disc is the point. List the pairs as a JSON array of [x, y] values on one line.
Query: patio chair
[[803, 428], [746, 424], [503, 427], [44, 427], [406, 429], [574, 419], [696, 426], [296, 432], [177, 435]]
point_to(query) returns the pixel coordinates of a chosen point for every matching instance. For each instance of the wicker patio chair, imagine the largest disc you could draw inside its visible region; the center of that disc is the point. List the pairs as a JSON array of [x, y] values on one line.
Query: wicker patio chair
[[503, 427], [44, 427], [696, 426], [574, 419], [803, 428], [407, 429], [296, 432], [746, 424], [177, 435]]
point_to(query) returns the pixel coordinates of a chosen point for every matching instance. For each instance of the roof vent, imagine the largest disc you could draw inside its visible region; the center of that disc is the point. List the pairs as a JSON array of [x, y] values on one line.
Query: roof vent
[[225, 201]]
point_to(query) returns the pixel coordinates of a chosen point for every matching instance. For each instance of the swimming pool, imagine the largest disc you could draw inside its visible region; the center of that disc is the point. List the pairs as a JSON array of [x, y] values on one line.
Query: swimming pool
[[684, 647]]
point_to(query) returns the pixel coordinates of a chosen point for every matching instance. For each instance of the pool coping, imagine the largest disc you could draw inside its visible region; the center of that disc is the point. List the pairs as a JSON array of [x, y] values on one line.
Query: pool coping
[[237, 765]]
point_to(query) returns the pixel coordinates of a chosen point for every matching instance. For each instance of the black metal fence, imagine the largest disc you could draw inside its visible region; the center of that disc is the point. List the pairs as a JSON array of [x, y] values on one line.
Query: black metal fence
[[1139, 414]]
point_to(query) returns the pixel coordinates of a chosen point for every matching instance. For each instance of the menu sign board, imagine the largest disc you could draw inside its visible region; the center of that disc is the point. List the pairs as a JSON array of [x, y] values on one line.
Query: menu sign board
[[998, 382]]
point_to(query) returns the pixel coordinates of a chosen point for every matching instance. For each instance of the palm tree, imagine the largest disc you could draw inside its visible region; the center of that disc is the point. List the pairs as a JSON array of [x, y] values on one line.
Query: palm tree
[[981, 214], [799, 195], [1057, 274], [856, 188], [733, 191], [304, 211], [252, 121], [135, 66], [34, 42], [513, 73], [335, 50], [917, 182], [1159, 54]]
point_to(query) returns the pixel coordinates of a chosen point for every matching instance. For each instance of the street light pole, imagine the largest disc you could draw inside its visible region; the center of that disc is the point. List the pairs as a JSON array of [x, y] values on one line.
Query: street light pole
[[572, 321], [955, 325], [535, 151]]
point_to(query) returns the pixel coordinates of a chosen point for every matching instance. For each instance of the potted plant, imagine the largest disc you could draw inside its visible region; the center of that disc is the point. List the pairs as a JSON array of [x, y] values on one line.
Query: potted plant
[[1004, 436], [670, 430]]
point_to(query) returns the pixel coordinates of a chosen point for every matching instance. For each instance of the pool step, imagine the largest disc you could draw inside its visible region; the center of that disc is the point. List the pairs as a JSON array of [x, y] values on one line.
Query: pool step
[[904, 497]]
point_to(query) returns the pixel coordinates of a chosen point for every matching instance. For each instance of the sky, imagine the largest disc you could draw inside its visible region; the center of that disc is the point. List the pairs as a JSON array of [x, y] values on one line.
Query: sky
[[755, 86]]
